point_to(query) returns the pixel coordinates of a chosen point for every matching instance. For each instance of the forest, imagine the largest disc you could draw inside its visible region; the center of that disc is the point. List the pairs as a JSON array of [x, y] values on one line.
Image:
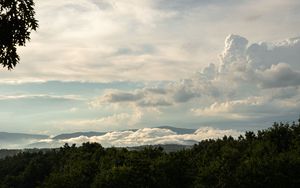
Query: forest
[[266, 158]]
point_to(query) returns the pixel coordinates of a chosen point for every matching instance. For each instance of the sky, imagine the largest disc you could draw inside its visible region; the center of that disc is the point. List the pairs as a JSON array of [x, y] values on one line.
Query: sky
[[107, 65]]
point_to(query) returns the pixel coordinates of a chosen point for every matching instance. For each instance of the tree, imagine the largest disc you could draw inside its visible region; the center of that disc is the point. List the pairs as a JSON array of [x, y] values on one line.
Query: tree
[[16, 23]]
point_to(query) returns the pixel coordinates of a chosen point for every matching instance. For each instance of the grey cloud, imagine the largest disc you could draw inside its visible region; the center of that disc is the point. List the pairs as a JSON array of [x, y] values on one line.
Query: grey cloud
[[264, 55], [184, 94], [147, 97], [284, 93], [41, 97], [80, 7], [102, 4], [154, 103], [280, 75], [210, 71], [136, 50], [157, 90], [185, 90], [240, 86], [154, 97], [180, 5], [253, 17], [123, 97], [251, 108], [73, 6]]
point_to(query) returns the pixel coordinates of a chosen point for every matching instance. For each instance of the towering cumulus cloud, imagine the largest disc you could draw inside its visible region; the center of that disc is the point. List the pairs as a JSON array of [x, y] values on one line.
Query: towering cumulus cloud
[[251, 81]]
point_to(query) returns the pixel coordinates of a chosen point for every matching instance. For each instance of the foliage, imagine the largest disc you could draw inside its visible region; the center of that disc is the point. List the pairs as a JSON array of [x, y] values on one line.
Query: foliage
[[269, 158], [16, 23]]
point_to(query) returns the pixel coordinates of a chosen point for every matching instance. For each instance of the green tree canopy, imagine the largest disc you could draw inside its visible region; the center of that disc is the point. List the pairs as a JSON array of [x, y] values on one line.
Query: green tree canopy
[[16, 23]]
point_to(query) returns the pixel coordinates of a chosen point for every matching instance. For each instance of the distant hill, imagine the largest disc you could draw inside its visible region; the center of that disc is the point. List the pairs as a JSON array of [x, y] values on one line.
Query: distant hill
[[18, 140], [4, 136], [77, 134], [178, 130], [90, 134]]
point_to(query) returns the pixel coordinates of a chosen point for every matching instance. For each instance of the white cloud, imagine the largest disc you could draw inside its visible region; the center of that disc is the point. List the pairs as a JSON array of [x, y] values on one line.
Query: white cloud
[[147, 97], [234, 50], [183, 36], [234, 109], [115, 121], [279, 75], [73, 110], [41, 96], [167, 42], [240, 86], [122, 96], [264, 55], [148, 136], [151, 136]]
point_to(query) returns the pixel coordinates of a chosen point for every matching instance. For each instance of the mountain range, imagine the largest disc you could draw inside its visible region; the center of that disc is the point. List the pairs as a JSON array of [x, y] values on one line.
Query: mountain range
[[21, 140], [18, 140]]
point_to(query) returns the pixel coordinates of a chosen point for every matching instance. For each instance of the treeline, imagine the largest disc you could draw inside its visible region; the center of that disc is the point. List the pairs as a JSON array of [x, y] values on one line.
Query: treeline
[[12, 152], [269, 158], [8, 152]]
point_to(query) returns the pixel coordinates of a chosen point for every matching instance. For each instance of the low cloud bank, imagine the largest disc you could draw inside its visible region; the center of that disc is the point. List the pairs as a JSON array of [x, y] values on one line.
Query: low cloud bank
[[145, 136]]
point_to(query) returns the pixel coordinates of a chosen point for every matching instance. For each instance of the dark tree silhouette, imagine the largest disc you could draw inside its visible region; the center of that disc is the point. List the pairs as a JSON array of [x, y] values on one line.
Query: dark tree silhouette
[[16, 23]]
